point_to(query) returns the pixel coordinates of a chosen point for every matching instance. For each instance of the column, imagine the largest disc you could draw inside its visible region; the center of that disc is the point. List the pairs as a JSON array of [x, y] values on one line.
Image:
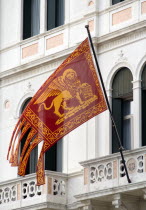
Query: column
[[43, 16], [137, 124], [109, 124], [67, 11]]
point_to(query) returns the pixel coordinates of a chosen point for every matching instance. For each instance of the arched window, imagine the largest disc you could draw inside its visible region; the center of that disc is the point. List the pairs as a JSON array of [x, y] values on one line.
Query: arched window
[[122, 108], [144, 106], [32, 162], [53, 157]]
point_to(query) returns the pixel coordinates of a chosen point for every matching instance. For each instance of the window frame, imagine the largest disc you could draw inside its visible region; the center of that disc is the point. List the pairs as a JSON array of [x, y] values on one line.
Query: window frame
[[115, 3], [29, 170], [122, 91]]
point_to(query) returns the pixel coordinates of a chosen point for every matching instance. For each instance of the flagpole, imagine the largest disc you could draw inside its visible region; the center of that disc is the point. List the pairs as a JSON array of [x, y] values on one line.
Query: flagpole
[[108, 105]]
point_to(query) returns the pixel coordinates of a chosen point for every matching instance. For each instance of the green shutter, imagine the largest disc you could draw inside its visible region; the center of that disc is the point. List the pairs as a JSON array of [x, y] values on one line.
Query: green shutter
[[59, 13], [144, 106], [35, 17], [26, 19], [144, 78], [50, 158], [122, 84], [51, 5], [143, 117], [33, 160], [116, 1], [122, 89], [117, 114]]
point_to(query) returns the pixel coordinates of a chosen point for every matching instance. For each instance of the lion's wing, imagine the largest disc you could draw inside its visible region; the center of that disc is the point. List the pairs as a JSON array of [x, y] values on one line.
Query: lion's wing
[[54, 89]]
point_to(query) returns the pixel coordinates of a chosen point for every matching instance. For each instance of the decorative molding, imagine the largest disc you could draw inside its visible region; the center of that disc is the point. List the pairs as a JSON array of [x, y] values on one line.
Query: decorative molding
[[86, 174], [118, 203], [144, 193], [29, 88], [30, 50], [140, 67], [115, 169], [7, 104], [121, 58], [22, 100], [118, 6], [114, 70], [34, 68], [91, 25], [90, 3], [54, 41], [121, 37], [122, 16], [112, 156], [143, 7]]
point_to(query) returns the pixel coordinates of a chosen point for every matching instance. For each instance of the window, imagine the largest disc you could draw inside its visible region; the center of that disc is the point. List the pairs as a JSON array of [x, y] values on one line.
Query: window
[[31, 18], [116, 1], [55, 13], [53, 157], [32, 162], [122, 108], [144, 106]]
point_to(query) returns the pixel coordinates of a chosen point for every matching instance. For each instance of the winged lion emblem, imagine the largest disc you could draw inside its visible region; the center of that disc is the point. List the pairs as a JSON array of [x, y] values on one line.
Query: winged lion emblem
[[63, 88]]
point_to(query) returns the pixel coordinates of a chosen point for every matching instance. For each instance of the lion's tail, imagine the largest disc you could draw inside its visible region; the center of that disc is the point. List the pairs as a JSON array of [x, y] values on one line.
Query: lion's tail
[[43, 105]]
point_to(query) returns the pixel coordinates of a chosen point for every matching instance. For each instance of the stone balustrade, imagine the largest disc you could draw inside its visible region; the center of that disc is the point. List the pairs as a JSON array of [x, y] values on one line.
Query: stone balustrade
[[108, 172], [23, 192]]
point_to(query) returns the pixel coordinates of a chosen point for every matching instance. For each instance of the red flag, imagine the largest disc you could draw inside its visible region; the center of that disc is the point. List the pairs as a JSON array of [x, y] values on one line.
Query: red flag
[[71, 96]]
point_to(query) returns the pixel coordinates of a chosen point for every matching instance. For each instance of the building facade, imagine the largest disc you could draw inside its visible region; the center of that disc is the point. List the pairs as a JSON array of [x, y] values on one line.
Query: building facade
[[84, 170]]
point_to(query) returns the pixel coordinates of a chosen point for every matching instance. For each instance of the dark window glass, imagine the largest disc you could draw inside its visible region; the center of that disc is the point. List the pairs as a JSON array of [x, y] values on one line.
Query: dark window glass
[[144, 106], [116, 1], [53, 157], [32, 162], [127, 123], [31, 18], [55, 13], [122, 108]]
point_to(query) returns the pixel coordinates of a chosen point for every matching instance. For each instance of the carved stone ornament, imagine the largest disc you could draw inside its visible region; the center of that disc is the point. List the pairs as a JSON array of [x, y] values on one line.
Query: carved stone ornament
[[121, 58], [131, 165]]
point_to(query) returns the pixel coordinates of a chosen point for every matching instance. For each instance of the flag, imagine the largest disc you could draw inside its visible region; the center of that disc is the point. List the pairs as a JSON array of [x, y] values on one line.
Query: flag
[[70, 96]]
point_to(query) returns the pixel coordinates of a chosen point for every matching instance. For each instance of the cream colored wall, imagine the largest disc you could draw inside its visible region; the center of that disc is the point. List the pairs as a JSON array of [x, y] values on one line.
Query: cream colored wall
[[89, 140]]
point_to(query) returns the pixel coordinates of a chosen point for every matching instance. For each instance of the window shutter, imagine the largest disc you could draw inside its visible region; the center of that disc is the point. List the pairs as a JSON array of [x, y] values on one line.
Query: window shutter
[[50, 158], [143, 117], [117, 114], [33, 160], [122, 85], [26, 19], [51, 4], [59, 13], [35, 17], [59, 155], [144, 78], [116, 1]]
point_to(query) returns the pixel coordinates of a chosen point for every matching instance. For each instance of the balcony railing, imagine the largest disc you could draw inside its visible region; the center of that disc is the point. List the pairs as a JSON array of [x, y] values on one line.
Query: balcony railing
[[108, 172], [102, 177], [23, 192]]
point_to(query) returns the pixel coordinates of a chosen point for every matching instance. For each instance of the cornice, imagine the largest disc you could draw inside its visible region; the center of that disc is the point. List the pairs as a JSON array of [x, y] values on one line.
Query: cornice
[[51, 61], [117, 6], [117, 33], [110, 191], [72, 22], [121, 37], [112, 156], [104, 43]]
